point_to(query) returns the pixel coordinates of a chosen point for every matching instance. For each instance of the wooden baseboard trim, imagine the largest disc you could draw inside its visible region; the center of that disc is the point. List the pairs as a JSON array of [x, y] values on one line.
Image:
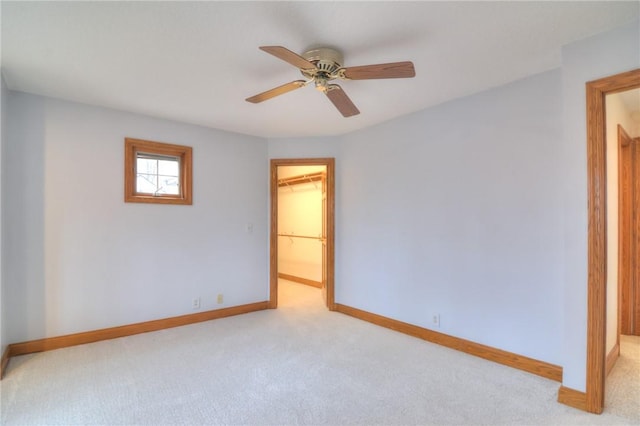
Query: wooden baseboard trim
[[572, 398], [5, 361], [300, 280], [51, 343], [540, 368], [612, 357]]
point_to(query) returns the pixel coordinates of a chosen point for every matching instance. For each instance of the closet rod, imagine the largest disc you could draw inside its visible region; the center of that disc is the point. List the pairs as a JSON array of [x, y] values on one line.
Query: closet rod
[[301, 236]]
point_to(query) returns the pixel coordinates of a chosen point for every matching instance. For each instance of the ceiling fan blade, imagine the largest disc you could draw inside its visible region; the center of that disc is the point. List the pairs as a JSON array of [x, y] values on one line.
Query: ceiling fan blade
[[288, 56], [341, 101], [391, 70], [277, 91]]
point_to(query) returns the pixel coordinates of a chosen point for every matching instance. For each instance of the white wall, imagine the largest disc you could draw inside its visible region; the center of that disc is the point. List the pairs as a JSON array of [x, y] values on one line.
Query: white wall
[[456, 210], [3, 311], [300, 213], [586, 60], [79, 258], [3, 98], [617, 113], [318, 147]]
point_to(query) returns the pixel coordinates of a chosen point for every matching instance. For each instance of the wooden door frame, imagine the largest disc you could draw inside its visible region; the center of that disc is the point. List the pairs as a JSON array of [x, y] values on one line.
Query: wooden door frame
[[597, 230], [329, 163], [626, 244]]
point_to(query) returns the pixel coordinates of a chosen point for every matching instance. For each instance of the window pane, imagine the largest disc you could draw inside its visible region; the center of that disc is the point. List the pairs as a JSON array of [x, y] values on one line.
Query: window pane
[[146, 183], [147, 165], [168, 185], [169, 167], [159, 175]]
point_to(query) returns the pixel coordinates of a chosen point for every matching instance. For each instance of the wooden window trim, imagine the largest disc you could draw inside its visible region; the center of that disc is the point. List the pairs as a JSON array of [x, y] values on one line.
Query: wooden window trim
[[185, 153]]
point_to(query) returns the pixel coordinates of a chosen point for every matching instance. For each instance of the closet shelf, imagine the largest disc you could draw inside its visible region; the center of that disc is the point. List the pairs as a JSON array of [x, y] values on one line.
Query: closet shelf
[[295, 180]]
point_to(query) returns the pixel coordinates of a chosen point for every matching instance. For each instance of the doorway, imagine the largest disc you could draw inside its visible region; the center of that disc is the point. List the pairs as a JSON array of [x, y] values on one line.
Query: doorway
[[629, 233], [597, 233], [622, 371], [290, 238]]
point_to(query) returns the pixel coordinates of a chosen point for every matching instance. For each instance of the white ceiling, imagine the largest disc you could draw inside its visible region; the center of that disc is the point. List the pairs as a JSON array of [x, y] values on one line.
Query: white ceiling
[[196, 62]]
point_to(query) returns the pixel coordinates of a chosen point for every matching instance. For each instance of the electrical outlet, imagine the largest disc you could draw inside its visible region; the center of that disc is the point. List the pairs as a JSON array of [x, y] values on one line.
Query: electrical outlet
[[196, 303], [435, 320], [220, 298]]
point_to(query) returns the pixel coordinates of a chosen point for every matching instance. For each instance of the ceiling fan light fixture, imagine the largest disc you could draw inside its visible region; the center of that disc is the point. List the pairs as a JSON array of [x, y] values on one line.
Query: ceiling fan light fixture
[[321, 83]]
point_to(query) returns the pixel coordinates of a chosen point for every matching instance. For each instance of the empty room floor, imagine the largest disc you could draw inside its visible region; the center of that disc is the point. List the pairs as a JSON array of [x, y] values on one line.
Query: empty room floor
[[299, 364]]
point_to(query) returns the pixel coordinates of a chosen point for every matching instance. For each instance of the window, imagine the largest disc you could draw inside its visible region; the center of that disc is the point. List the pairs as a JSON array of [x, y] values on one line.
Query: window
[[157, 172]]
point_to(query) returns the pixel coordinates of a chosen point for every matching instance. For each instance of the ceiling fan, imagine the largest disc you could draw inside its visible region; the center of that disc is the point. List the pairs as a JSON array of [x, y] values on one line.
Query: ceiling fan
[[324, 64]]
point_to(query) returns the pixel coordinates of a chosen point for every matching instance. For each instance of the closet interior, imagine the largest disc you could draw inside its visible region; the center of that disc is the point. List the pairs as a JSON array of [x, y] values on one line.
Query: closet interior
[[302, 224]]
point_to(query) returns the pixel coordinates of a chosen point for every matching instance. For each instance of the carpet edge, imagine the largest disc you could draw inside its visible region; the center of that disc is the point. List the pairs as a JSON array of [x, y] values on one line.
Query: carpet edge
[[51, 343], [530, 365]]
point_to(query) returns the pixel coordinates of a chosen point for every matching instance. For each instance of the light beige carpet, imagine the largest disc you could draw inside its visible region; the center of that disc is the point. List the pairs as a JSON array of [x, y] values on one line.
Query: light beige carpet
[[299, 364], [622, 391]]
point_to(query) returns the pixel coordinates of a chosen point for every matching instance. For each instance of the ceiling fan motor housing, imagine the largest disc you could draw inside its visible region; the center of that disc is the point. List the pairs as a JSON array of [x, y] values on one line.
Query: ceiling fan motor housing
[[326, 60]]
